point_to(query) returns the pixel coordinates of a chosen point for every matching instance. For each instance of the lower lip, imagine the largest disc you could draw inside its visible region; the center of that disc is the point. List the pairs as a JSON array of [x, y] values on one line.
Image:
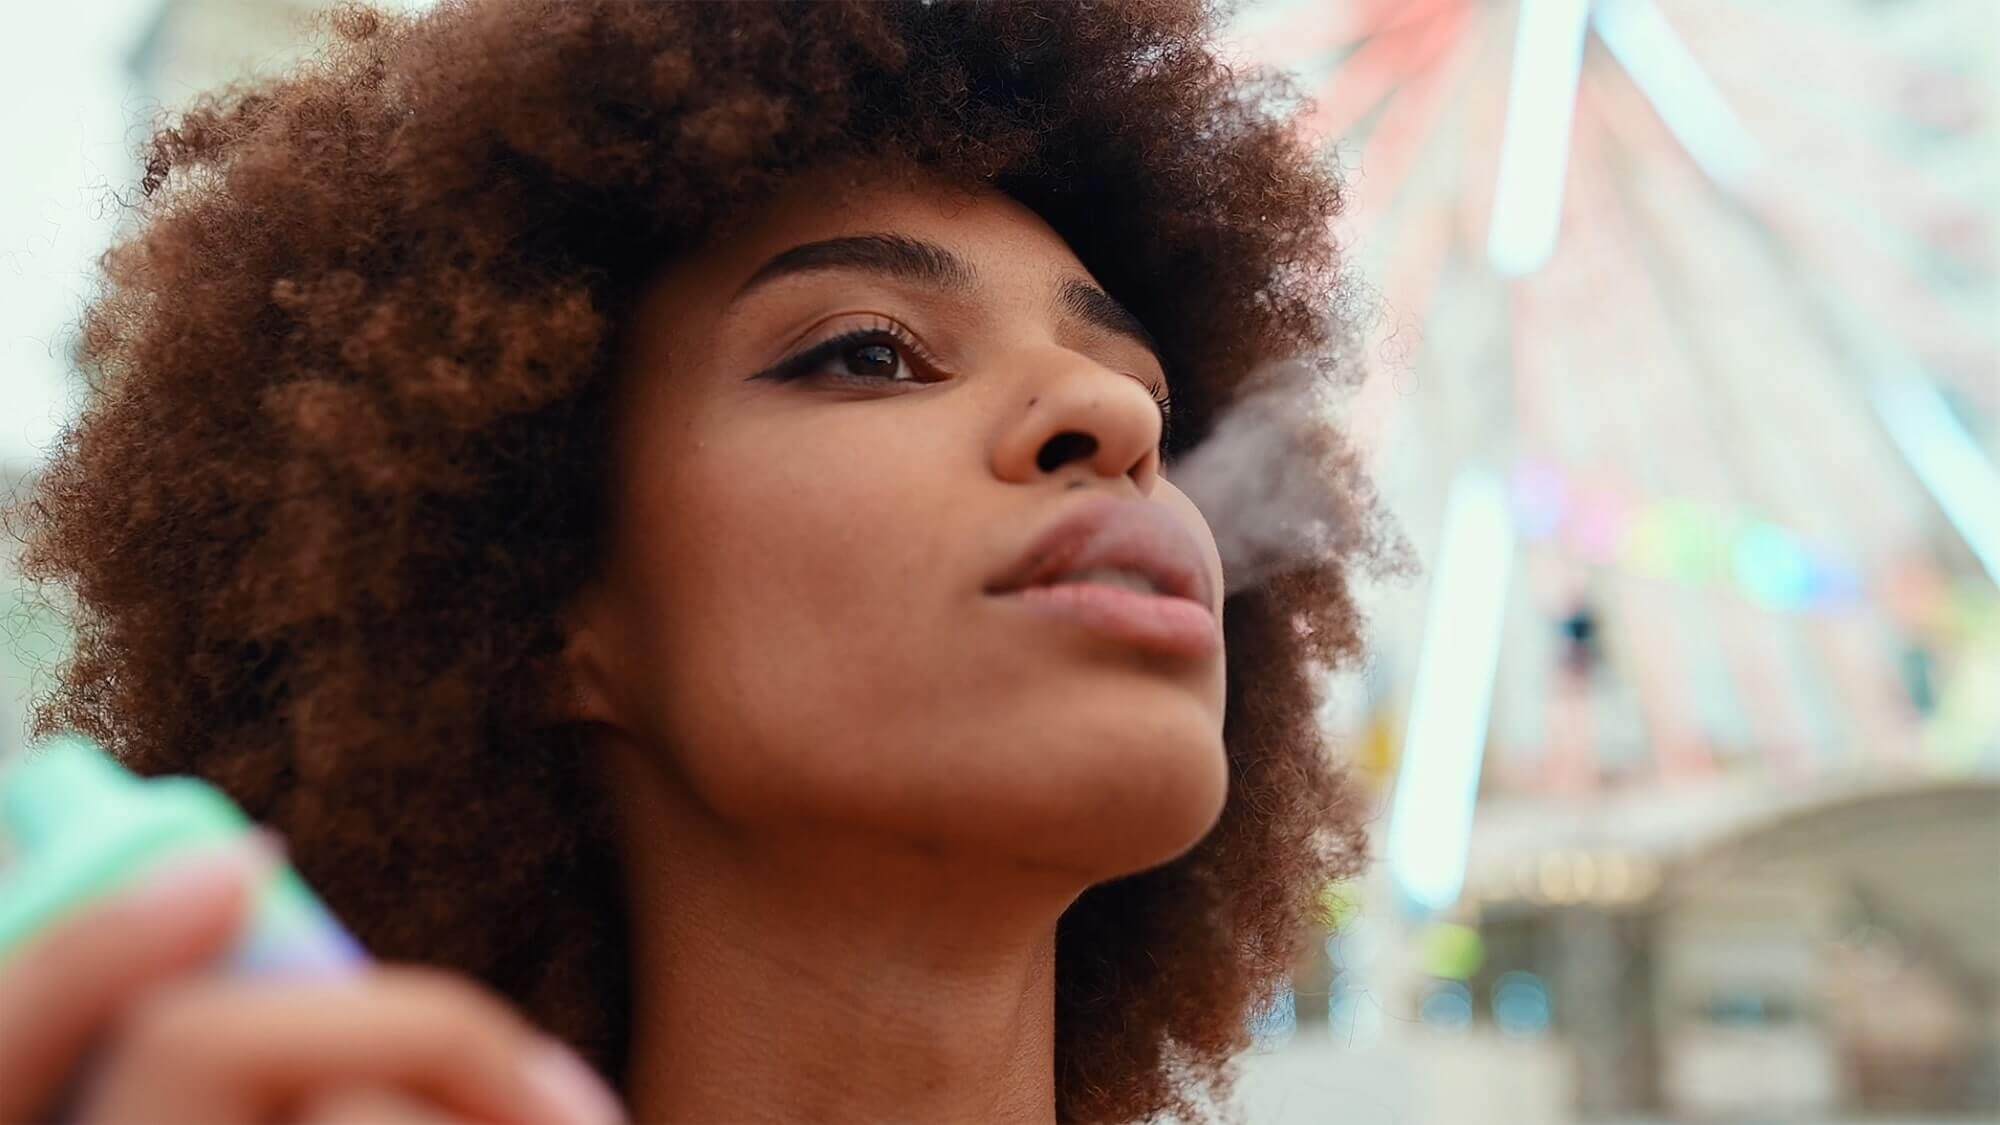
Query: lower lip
[[1177, 626]]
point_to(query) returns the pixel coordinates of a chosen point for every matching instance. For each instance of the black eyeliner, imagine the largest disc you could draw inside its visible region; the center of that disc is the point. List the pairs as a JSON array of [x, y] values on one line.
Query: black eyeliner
[[799, 365]]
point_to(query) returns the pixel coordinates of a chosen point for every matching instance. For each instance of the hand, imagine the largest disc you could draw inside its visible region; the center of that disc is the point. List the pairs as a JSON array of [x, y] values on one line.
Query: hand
[[105, 1017]]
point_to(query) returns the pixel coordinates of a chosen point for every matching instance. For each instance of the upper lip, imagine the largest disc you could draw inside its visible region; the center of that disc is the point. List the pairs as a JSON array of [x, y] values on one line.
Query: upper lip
[[1109, 532]]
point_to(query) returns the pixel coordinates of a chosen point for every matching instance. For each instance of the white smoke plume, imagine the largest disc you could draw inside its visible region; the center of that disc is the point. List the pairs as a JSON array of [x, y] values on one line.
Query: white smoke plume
[[1280, 486]]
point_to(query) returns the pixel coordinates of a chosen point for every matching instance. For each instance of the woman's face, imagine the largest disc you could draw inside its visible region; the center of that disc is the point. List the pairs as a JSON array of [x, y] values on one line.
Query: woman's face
[[796, 614]]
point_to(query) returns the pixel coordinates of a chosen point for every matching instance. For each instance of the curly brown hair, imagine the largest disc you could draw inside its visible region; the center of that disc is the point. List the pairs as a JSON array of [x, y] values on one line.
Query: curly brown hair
[[343, 460]]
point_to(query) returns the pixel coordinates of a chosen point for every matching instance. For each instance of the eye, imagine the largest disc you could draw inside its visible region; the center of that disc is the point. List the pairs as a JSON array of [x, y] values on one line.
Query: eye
[[879, 352]]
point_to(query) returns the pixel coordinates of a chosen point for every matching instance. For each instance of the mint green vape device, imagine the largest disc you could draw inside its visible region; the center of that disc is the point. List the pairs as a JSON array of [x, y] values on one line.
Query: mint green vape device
[[75, 824]]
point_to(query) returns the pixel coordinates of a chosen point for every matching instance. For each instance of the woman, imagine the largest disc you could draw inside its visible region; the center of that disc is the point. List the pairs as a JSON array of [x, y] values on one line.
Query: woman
[[636, 495]]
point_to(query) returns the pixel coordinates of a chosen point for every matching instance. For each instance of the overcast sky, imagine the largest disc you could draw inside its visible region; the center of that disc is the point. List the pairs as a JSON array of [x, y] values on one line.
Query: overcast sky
[[73, 118], [64, 92]]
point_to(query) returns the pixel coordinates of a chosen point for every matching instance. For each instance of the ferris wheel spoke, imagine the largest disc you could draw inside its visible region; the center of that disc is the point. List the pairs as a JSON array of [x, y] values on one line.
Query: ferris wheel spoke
[[1380, 70], [1534, 148], [1680, 91], [1410, 130]]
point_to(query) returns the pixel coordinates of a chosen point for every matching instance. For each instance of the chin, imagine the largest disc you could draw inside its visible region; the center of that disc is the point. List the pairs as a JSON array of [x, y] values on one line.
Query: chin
[[1099, 776], [1138, 808]]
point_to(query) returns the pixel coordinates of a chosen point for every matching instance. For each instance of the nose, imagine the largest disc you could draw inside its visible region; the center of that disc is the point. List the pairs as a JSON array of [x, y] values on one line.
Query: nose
[[1080, 420]]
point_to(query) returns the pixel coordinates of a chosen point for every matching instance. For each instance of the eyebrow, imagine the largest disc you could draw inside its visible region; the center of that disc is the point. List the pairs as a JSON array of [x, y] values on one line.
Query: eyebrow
[[914, 260]]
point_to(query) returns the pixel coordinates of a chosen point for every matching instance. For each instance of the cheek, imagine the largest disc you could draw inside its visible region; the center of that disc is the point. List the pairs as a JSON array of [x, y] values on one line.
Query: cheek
[[791, 605]]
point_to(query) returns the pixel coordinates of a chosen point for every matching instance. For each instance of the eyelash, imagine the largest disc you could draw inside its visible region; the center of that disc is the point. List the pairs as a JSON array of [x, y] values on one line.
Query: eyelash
[[883, 330]]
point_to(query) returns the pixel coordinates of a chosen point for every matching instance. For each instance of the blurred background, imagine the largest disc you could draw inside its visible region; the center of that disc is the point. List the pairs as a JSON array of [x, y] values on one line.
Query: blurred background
[[1683, 380]]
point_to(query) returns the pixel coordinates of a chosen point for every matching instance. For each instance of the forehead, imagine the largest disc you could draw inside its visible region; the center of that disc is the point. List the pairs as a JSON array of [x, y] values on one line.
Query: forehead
[[1006, 241], [960, 243]]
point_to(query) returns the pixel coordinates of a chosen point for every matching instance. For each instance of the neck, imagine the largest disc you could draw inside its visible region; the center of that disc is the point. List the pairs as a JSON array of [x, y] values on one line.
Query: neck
[[831, 979]]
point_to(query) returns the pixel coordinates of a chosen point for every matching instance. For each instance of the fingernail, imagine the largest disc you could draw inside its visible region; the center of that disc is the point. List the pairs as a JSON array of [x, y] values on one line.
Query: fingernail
[[570, 1088], [273, 843], [192, 881]]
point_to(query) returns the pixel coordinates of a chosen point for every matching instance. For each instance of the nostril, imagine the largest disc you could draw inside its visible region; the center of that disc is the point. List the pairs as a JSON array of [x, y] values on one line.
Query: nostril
[[1064, 448]]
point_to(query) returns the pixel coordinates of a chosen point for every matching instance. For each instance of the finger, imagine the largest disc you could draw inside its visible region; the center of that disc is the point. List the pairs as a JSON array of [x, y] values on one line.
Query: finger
[[240, 1050], [64, 985], [369, 1105]]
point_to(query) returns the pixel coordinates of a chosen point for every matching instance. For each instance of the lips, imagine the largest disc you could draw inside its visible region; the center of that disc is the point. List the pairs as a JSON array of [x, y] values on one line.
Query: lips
[[1112, 533]]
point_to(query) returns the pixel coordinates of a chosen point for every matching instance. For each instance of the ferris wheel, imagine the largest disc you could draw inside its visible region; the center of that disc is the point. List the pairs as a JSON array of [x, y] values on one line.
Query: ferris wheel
[[1712, 286]]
